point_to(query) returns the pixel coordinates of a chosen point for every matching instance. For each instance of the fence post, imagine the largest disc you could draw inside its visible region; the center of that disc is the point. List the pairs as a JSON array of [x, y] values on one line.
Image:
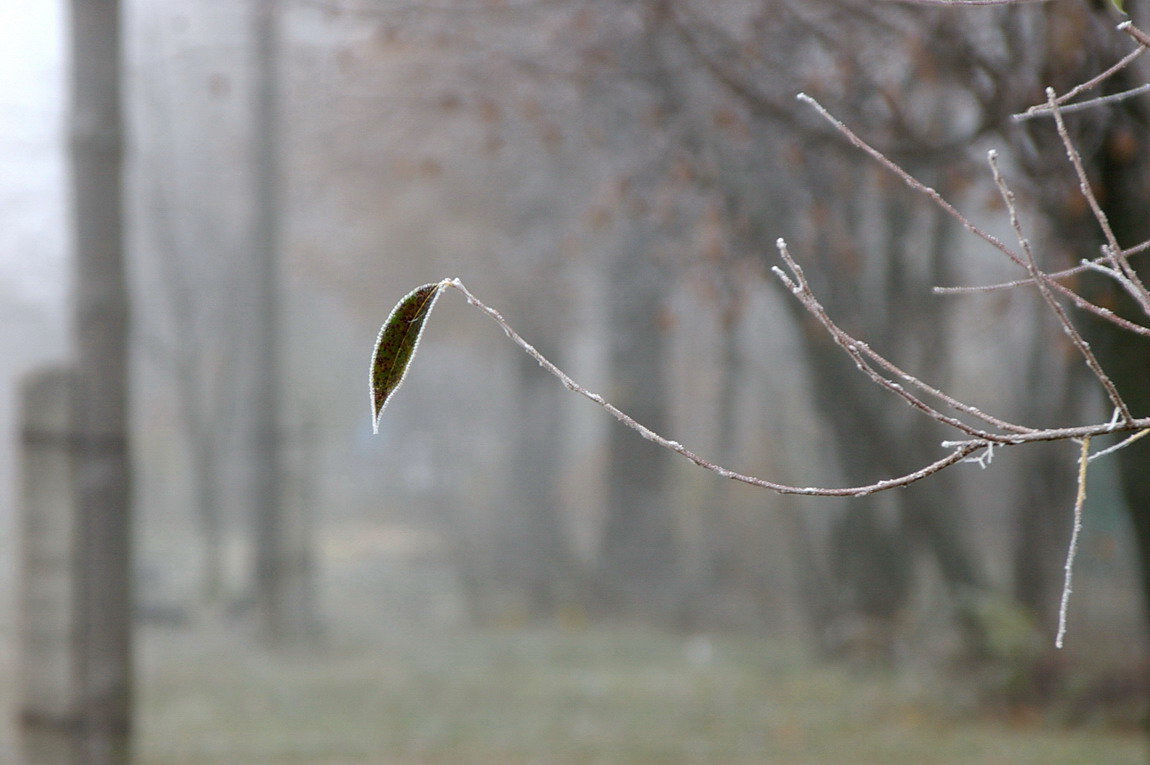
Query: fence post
[[47, 659]]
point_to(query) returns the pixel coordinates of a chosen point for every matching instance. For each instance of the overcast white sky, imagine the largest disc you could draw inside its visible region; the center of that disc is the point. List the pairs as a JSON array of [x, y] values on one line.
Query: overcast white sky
[[32, 235]]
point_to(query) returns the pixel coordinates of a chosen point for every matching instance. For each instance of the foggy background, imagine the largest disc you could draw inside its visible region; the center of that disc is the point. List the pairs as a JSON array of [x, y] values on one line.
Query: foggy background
[[504, 573]]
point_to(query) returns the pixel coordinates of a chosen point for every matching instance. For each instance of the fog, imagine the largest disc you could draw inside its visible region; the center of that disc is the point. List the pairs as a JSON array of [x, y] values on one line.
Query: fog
[[505, 573]]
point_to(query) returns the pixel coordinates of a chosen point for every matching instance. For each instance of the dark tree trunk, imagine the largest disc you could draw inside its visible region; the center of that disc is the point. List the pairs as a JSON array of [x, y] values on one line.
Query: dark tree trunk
[[1116, 155], [872, 553], [720, 569], [1125, 187], [639, 551], [103, 474]]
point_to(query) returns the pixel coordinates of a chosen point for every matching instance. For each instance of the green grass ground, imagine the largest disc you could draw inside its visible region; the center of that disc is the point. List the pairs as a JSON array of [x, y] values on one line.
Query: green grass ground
[[550, 695]]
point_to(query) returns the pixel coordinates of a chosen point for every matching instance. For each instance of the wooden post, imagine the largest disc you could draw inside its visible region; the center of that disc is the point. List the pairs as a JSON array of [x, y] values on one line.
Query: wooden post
[[48, 663]]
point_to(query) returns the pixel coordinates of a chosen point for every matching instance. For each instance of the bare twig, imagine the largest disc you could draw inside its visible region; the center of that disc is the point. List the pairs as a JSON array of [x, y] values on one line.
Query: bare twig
[[1137, 249], [857, 349], [1093, 82], [1120, 445], [1036, 275], [940, 395], [951, 210], [1044, 110], [1065, 434], [1072, 549], [959, 450], [1085, 265], [1140, 36], [957, 454], [1114, 254]]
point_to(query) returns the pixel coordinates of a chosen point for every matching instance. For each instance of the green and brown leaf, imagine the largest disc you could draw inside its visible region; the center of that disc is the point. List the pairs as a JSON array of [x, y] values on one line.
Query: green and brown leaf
[[396, 344]]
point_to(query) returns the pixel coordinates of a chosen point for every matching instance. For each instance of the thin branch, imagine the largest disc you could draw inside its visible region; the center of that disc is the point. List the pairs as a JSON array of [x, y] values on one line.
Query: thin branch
[[1064, 434], [1072, 550], [1121, 64], [1085, 265], [857, 349], [960, 451], [1120, 445], [957, 454], [1044, 110], [1136, 249], [942, 396], [1131, 281], [934, 196], [1140, 36], [1036, 275]]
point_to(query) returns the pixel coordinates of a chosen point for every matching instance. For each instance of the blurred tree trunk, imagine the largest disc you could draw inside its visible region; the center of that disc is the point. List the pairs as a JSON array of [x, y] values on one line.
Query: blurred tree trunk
[[869, 561], [639, 569], [1122, 183], [281, 590], [932, 512], [720, 565], [1047, 487], [102, 467], [872, 551], [1124, 187], [534, 537], [207, 473]]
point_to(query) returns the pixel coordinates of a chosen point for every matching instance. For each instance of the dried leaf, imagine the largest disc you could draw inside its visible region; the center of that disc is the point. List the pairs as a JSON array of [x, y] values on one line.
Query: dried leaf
[[396, 344]]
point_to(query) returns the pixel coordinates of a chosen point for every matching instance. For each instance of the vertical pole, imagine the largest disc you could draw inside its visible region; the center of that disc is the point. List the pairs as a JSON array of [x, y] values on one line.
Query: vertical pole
[[102, 470]]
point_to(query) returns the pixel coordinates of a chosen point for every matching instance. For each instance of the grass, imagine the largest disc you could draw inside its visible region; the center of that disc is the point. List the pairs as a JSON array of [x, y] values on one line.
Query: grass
[[553, 695]]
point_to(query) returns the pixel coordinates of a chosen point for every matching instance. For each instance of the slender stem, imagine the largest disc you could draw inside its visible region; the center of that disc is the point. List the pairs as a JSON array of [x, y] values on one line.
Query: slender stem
[[1140, 36], [1059, 312], [959, 450], [1120, 445], [957, 454], [951, 210], [1085, 265], [1114, 254], [856, 349], [1042, 111], [1125, 61], [1072, 549]]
